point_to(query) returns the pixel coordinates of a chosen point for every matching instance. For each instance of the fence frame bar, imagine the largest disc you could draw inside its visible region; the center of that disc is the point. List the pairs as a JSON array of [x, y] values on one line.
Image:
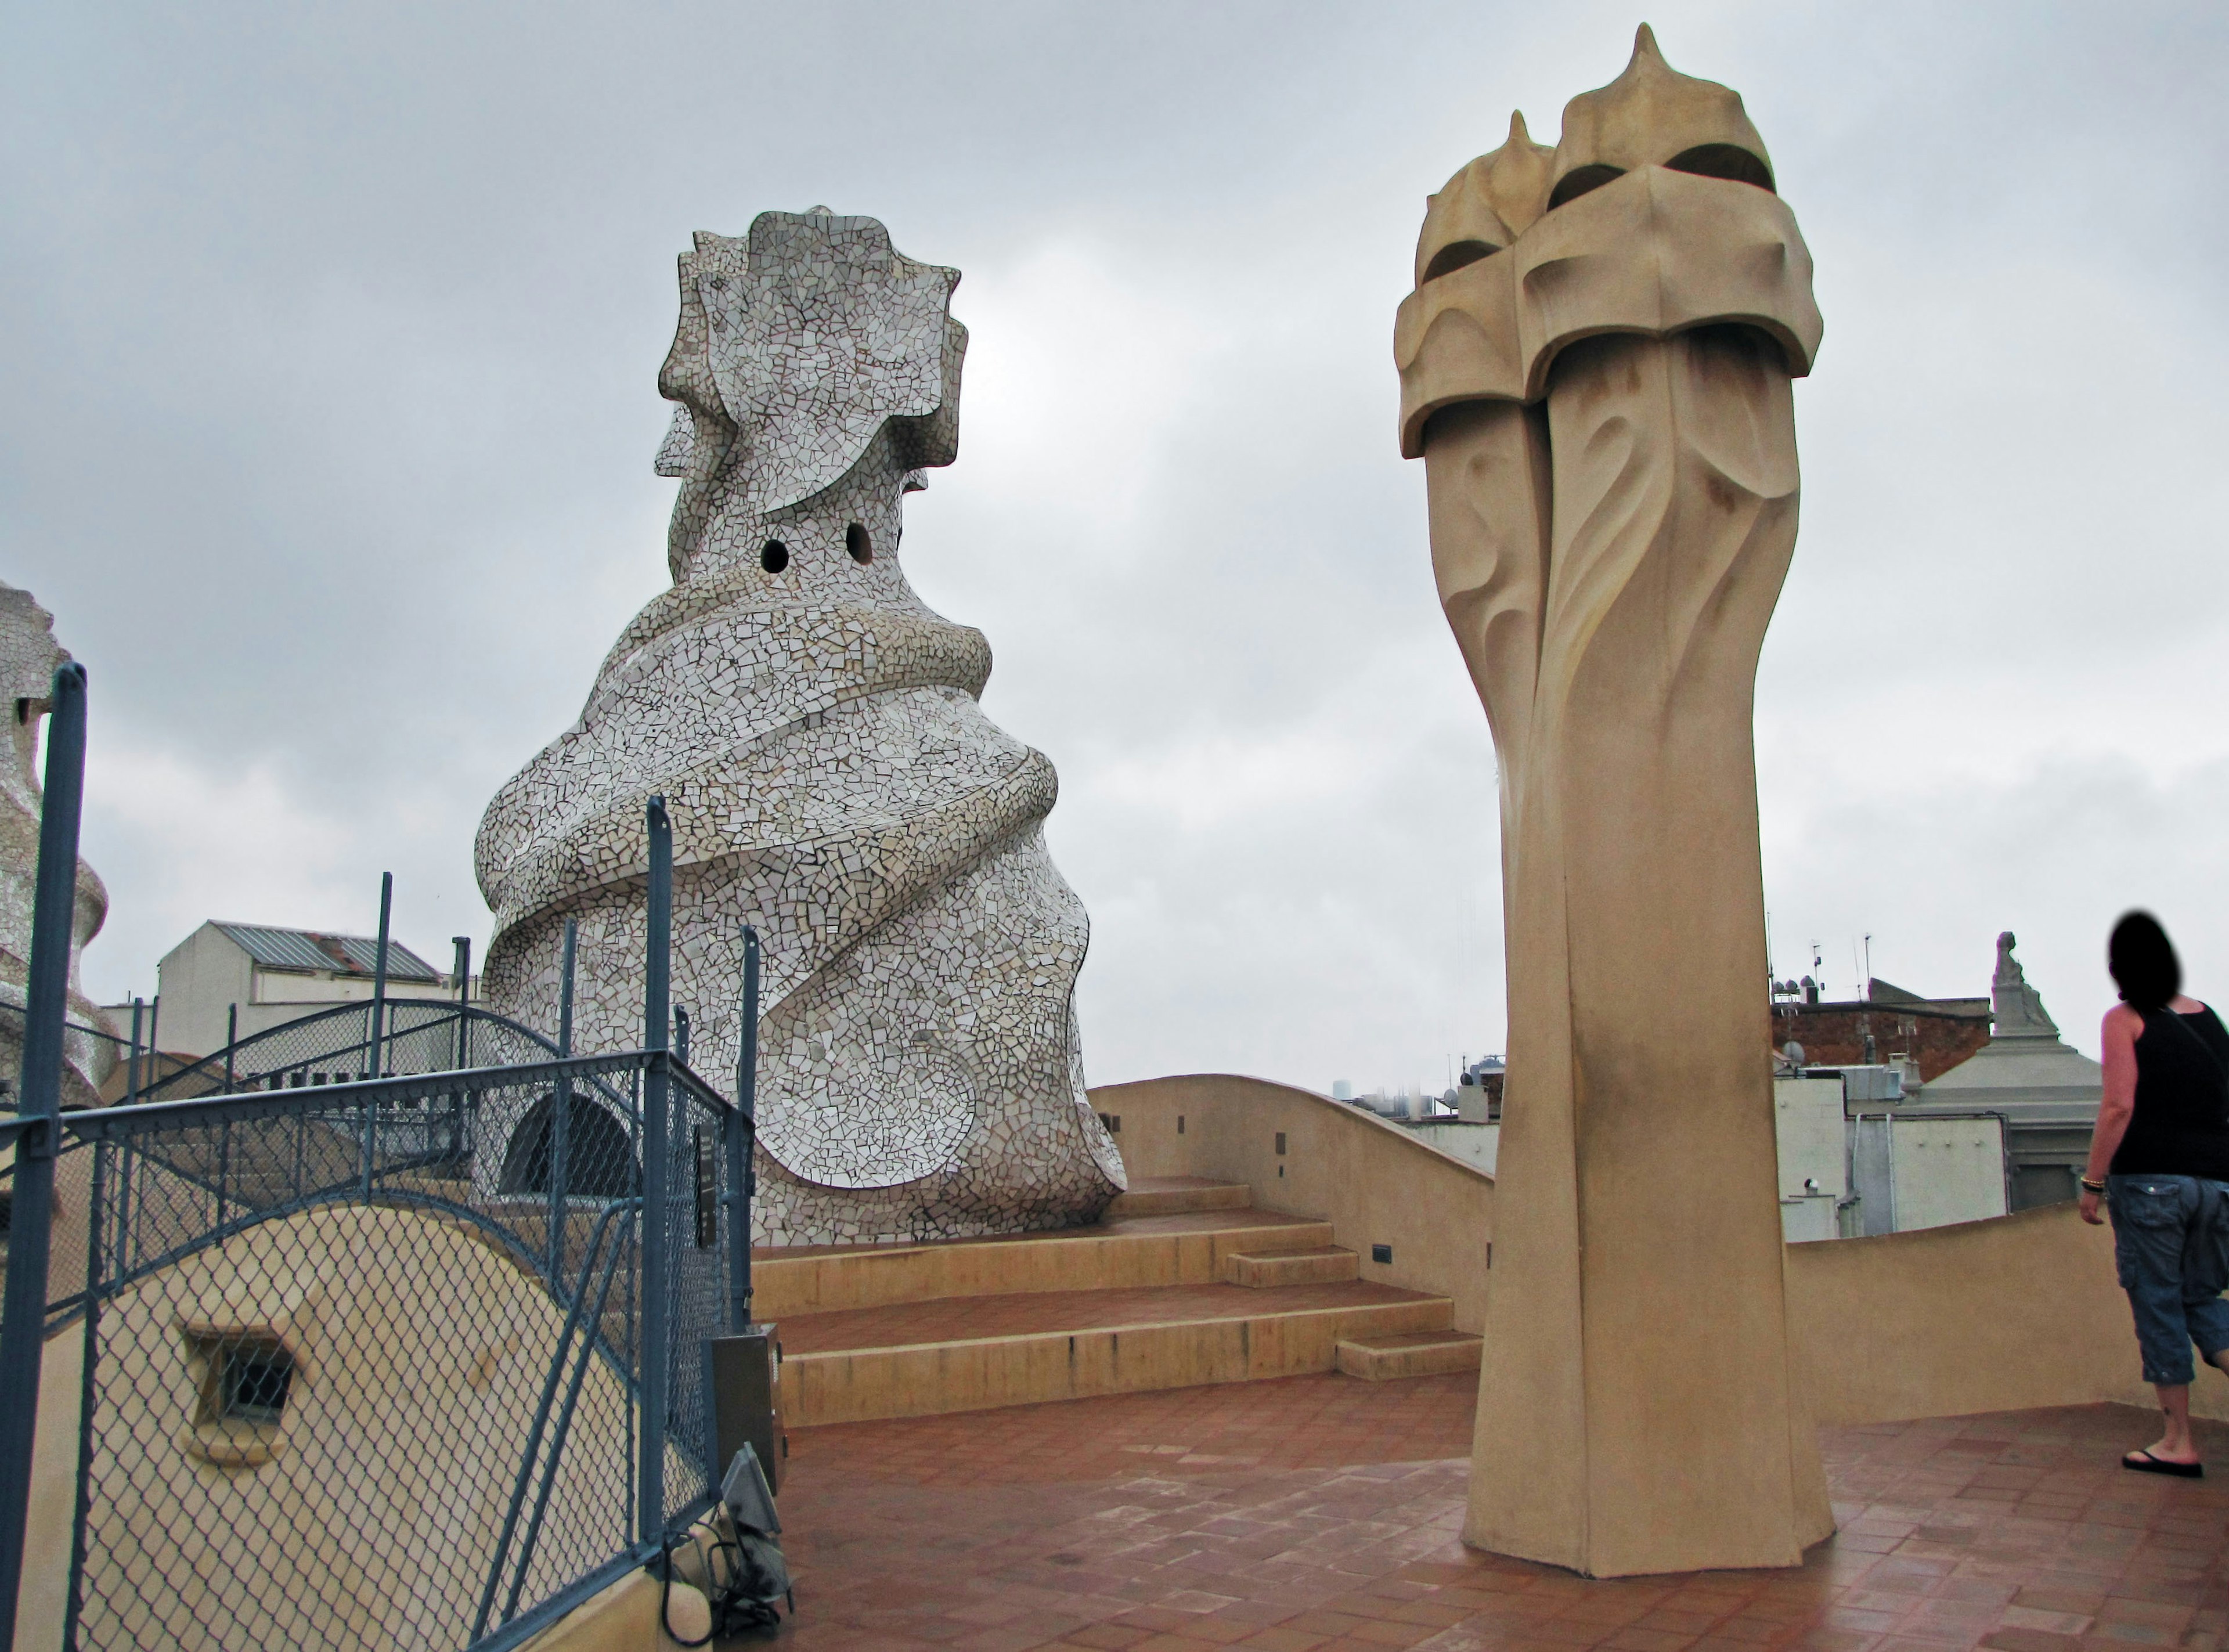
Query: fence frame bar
[[131, 1081], [740, 1132], [658, 1218], [46, 1006]]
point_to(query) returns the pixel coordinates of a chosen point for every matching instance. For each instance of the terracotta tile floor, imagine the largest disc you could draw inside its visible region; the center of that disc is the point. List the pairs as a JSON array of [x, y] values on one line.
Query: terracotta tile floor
[[1320, 1515], [945, 1318]]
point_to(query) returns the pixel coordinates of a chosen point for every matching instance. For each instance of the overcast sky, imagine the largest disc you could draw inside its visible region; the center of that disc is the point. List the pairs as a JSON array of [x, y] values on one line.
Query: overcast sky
[[330, 351]]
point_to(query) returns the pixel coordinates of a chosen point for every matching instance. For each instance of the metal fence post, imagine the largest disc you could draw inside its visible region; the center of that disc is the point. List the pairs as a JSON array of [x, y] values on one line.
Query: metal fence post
[[46, 1002], [224, 1148], [379, 970], [741, 1128], [463, 943], [561, 1116], [131, 1085], [657, 1236], [372, 1031]]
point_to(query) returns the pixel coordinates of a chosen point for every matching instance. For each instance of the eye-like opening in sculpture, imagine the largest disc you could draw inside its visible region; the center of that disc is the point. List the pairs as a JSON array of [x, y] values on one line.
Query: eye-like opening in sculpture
[[1579, 180], [773, 556], [860, 542], [1456, 253], [1723, 160]]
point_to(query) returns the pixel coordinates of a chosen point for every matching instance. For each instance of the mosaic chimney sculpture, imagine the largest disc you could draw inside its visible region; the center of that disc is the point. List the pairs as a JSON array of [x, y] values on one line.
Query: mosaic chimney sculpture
[[28, 659], [1595, 368], [813, 727]]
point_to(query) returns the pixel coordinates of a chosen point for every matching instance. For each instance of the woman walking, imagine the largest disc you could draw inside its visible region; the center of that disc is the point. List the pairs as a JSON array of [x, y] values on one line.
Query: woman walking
[[2160, 1158]]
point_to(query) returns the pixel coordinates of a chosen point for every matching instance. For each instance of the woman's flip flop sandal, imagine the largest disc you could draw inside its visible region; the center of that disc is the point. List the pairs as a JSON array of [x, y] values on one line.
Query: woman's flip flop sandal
[[2145, 1463]]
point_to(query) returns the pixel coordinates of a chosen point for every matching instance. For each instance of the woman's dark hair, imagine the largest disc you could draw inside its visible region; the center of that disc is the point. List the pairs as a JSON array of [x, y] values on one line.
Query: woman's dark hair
[[2142, 961]]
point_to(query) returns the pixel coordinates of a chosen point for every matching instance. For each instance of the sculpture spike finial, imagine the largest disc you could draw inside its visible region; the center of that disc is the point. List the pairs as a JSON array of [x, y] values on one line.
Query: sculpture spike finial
[[1517, 132], [1653, 115]]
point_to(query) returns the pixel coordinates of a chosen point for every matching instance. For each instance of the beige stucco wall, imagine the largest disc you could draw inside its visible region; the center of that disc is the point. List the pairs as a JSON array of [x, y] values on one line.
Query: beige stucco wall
[[631, 1616], [2000, 1314], [2015, 1311], [419, 1351], [196, 979], [1371, 1180]]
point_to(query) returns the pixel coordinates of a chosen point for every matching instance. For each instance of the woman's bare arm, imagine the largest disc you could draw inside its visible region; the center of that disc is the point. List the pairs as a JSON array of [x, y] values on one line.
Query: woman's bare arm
[[2119, 1034]]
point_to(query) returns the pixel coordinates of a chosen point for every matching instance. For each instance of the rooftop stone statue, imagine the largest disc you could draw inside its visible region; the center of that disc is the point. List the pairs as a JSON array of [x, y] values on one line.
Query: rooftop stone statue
[[831, 779], [1595, 368]]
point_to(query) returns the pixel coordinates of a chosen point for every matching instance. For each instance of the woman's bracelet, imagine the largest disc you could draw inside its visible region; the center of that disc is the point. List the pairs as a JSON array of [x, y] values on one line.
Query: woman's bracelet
[[2089, 1186]]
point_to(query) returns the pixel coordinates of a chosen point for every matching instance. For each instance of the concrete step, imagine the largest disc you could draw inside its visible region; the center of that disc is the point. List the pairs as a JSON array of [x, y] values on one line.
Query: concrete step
[[1123, 1252], [972, 1353], [1377, 1357], [1328, 1264], [1178, 1195]]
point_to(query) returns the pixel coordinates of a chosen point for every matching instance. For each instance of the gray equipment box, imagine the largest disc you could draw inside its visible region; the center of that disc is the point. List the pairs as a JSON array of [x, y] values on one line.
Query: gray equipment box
[[742, 1382]]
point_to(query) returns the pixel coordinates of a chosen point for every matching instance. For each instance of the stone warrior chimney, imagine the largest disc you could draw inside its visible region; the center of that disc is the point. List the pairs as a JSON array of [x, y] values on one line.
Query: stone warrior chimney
[[1595, 369], [814, 726]]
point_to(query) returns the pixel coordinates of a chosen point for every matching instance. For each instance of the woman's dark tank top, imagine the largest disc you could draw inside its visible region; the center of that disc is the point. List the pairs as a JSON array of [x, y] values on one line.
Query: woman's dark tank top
[[2180, 1124]]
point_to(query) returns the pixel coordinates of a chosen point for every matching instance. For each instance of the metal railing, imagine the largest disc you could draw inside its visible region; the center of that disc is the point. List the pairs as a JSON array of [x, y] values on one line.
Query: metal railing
[[347, 1383], [83, 1046], [354, 1041], [412, 1361]]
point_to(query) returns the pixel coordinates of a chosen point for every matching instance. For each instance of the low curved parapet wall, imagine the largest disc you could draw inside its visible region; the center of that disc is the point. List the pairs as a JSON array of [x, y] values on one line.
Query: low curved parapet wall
[[2003, 1314], [1375, 1183]]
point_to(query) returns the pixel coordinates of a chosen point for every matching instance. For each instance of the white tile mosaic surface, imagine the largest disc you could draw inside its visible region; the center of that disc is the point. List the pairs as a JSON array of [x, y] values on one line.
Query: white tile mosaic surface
[[28, 659], [813, 727]]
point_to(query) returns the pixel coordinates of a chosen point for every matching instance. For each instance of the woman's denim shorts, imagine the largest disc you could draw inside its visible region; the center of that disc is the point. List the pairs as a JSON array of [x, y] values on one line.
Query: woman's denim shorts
[[2171, 1244]]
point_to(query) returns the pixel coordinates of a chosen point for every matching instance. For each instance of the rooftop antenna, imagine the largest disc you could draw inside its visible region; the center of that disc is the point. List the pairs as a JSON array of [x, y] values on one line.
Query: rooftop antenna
[[1869, 966]]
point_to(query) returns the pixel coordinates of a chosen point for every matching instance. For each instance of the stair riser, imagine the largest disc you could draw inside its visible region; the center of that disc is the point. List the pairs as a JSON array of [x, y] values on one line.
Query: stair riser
[[1179, 1201], [1389, 1365], [784, 1288], [870, 1383], [1261, 1272]]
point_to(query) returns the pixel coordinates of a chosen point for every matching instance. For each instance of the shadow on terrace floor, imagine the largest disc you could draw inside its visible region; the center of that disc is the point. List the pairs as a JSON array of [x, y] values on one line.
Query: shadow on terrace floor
[[1321, 1514]]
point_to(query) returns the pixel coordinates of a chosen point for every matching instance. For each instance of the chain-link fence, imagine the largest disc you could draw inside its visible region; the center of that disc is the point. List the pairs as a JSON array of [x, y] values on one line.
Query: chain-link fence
[[385, 1328], [389, 1362], [336, 1046]]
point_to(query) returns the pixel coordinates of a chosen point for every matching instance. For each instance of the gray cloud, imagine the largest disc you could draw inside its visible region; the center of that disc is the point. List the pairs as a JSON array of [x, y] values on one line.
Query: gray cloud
[[331, 344]]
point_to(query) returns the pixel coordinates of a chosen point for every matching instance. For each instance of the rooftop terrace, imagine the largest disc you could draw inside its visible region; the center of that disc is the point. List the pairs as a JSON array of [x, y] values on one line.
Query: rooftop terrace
[[1321, 1514]]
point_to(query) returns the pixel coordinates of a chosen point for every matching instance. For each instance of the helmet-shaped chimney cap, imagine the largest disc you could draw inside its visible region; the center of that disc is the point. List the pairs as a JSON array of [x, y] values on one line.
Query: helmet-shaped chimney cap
[[1653, 115], [1486, 205]]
